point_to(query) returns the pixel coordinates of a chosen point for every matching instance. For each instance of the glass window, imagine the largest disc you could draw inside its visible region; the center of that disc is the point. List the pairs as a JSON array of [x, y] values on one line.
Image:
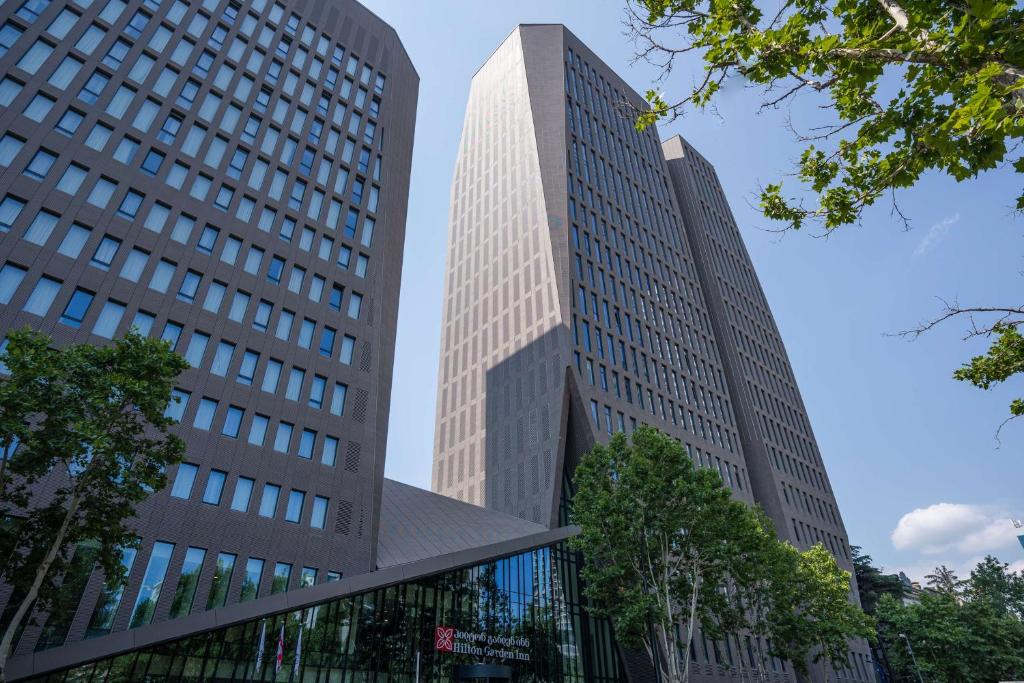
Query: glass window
[[348, 346], [338, 399], [62, 23], [293, 513], [295, 380], [327, 337], [258, 430], [308, 577], [105, 252], [248, 367], [318, 518], [171, 334], [10, 278], [183, 480], [130, 205], [282, 573], [71, 245], [243, 492], [102, 192], [143, 324], [162, 275], [232, 422], [176, 406], [283, 438], [306, 333], [189, 286], [185, 593], [35, 57], [152, 580], [72, 179], [154, 159], [69, 123], [231, 248], [65, 72], [40, 164], [204, 414], [355, 303], [38, 107], [197, 348], [10, 209], [284, 325], [102, 619], [221, 581], [214, 487], [275, 270], [268, 503], [306, 444], [77, 308], [134, 265], [238, 305], [39, 231], [251, 580], [42, 296], [261, 321], [183, 229], [9, 89], [222, 359], [9, 148], [329, 454], [108, 320], [214, 296]]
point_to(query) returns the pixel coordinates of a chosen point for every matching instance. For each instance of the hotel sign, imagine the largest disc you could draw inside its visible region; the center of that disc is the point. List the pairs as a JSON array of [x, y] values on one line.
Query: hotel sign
[[478, 644]]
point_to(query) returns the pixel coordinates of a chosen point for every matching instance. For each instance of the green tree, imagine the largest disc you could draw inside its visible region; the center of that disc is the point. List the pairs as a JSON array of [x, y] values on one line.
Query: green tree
[[826, 612], [913, 87], [872, 584], [658, 537], [970, 635], [943, 580], [667, 550], [91, 421]]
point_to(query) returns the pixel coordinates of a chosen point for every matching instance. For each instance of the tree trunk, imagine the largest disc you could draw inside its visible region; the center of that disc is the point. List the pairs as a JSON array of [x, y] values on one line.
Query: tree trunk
[[33, 591], [691, 626], [3, 468]]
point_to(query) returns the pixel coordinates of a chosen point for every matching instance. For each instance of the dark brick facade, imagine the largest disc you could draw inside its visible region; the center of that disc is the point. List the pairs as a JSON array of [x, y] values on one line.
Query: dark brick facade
[[228, 213]]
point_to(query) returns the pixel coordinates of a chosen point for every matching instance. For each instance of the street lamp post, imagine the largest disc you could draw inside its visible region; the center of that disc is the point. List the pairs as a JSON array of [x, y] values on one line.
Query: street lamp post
[[912, 657]]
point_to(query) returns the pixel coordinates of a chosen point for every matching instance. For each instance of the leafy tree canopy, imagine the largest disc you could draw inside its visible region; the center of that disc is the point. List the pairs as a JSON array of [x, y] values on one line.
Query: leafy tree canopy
[[966, 631], [912, 87], [668, 550], [872, 584], [87, 439]]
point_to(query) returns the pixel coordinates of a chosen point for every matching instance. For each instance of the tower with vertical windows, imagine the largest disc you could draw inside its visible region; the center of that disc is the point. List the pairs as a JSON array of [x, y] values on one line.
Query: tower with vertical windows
[[230, 176], [596, 280]]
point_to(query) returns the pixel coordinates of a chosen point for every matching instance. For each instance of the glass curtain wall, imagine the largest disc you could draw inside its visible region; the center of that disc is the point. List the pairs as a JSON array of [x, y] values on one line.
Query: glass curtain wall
[[530, 601]]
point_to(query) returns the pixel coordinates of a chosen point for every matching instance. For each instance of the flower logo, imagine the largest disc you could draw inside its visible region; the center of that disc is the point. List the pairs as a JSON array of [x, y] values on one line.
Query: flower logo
[[444, 638]]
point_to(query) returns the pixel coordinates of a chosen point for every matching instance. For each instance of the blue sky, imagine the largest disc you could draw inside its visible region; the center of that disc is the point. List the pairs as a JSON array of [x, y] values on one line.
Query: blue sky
[[911, 453]]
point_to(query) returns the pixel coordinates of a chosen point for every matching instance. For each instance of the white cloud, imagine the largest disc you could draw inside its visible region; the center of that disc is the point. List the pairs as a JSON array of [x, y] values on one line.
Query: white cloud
[[958, 528], [936, 234]]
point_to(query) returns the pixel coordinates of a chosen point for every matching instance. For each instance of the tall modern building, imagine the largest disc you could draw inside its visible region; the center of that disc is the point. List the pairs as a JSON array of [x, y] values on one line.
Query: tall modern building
[[596, 280], [231, 176]]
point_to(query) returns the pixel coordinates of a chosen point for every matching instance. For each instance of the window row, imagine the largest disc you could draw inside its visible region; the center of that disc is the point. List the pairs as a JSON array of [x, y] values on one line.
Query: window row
[[183, 599], [208, 416], [47, 289], [294, 507]]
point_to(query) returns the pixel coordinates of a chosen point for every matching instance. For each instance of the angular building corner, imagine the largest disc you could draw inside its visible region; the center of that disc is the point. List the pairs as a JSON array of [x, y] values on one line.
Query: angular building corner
[[596, 280]]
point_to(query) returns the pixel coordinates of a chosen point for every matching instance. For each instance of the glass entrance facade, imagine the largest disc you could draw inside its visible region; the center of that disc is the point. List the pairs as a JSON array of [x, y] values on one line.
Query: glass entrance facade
[[524, 612]]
